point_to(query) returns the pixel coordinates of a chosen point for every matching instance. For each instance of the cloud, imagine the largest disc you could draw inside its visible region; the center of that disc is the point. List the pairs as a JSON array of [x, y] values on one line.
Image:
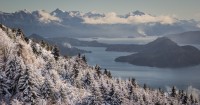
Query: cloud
[[46, 17], [113, 18], [68, 45], [109, 18], [141, 31]]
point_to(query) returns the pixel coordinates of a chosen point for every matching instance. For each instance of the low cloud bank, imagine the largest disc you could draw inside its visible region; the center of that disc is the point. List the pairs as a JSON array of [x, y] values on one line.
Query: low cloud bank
[[113, 18], [46, 17]]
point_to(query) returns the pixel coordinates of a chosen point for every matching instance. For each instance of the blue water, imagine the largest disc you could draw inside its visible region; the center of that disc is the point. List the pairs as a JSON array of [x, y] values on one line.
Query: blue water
[[152, 76], [139, 40], [155, 77]]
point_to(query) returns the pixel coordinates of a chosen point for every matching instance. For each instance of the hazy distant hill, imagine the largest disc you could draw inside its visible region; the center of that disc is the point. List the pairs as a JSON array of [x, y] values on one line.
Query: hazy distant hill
[[163, 53], [65, 48], [190, 37], [76, 42]]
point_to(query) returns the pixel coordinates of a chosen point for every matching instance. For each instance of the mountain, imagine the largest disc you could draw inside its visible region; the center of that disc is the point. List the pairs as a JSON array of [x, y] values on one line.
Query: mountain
[[30, 73], [162, 42], [135, 13], [92, 24], [71, 17], [93, 15], [65, 48], [190, 37], [76, 42], [164, 53], [38, 38]]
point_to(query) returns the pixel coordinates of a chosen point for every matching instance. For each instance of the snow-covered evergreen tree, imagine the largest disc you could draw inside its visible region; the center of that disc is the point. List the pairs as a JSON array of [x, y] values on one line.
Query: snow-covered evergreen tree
[[26, 87], [46, 89], [96, 96], [87, 80], [13, 72], [113, 97], [55, 52], [4, 87], [30, 74]]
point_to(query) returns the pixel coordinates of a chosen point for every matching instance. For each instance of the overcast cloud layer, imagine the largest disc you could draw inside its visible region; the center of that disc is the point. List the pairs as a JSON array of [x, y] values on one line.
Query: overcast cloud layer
[[113, 18]]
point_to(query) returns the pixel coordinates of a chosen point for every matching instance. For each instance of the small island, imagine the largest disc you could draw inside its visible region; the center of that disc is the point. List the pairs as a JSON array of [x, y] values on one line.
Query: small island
[[163, 53]]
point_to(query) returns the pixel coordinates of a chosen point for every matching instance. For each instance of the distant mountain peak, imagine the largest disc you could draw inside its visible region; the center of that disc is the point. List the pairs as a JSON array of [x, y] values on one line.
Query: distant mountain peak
[[163, 41], [58, 11], [94, 14], [65, 14], [137, 12]]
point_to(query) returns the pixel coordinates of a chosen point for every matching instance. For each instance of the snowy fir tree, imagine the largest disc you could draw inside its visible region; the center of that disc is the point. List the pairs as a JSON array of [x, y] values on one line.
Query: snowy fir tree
[[55, 52], [35, 73], [26, 87]]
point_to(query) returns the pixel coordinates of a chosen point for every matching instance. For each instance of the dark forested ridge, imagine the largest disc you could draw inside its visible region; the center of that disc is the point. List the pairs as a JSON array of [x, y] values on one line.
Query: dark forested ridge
[[161, 52], [76, 42], [65, 47]]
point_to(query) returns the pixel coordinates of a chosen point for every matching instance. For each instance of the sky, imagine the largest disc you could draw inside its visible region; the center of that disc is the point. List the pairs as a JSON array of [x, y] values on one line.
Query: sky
[[182, 9]]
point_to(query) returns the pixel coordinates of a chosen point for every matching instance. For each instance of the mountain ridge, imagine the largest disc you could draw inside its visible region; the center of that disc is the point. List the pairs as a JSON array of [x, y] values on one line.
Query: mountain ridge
[[78, 24], [164, 53], [189, 37], [65, 48]]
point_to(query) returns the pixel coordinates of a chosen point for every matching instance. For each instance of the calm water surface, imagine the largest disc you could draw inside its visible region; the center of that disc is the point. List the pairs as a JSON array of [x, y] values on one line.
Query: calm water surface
[[155, 77]]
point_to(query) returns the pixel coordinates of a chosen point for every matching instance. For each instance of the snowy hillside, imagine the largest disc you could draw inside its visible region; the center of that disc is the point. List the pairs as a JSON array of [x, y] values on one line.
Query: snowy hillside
[[33, 73]]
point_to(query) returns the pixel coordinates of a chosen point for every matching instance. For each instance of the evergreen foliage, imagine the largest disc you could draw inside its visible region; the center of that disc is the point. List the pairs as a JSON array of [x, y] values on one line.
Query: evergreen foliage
[[55, 52], [173, 94], [40, 77]]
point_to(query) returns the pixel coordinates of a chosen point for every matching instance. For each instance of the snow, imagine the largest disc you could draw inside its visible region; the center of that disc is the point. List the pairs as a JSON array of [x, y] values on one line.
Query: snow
[[41, 79]]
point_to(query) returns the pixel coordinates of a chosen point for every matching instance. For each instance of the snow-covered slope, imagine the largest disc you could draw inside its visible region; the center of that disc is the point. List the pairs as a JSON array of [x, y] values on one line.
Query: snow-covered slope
[[32, 73]]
